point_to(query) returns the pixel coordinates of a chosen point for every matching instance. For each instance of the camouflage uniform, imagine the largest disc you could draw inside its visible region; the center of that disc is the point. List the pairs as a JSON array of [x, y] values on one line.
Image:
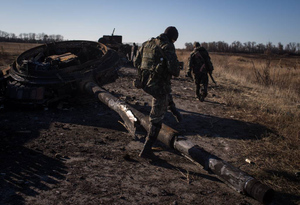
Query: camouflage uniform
[[199, 66], [160, 72]]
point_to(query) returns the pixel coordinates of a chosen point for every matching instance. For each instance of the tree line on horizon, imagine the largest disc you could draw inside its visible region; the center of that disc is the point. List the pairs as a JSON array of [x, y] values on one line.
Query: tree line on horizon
[[30, 37], [219, 46], [248, 47]]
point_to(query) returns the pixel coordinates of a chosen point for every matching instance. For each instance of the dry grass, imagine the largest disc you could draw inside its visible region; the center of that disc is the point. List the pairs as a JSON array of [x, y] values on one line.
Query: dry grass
[[9, 51], [16, 48], [264, 90]]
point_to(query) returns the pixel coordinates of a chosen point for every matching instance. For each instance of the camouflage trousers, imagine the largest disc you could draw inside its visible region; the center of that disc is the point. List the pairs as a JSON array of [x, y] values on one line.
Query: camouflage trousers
[[201, 79], [160, 105]]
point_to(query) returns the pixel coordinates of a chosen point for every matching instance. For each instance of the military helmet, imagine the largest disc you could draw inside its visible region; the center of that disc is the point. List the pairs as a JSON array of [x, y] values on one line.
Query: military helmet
[[196, 44], [172, 33]]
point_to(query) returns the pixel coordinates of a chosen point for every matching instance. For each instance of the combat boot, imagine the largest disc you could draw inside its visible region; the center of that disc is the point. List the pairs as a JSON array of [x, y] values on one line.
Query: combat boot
[[147, 150], [198, 95], [201, 98], [203, 95], [150, 139]]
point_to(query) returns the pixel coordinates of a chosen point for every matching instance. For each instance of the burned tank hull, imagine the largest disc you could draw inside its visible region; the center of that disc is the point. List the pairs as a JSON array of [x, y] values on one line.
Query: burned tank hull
[[54, 71], [115, 42]]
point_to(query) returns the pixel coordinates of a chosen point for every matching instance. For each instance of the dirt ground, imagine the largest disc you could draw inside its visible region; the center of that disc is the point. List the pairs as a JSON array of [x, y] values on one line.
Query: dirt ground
[[79, 152]]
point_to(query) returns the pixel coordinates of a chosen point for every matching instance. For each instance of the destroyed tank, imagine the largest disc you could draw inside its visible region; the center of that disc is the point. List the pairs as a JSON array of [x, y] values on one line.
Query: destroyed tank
[[55, 71], [115, 42]]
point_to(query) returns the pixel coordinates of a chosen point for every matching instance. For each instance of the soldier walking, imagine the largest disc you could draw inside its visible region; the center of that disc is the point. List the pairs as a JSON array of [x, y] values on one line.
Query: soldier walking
[[157, 62], [199, 67]]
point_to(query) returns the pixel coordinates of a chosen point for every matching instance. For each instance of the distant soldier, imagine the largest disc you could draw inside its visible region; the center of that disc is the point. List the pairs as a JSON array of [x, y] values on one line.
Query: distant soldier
[[134, 49], [157, 63], [198, 68]]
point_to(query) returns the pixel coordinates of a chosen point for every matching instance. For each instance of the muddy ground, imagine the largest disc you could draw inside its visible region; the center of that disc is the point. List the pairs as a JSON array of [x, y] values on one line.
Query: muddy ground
[[79, 152]]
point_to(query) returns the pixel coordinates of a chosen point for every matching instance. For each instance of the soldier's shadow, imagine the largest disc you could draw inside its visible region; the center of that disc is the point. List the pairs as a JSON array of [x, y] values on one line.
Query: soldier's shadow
[[211, 126]]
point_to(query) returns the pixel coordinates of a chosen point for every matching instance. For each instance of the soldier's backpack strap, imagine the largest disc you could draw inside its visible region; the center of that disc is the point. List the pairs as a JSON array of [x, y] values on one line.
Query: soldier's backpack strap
[[159, 48]]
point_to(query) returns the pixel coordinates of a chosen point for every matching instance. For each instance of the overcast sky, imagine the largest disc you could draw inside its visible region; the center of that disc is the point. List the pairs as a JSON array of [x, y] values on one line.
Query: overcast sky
[[261, 21]]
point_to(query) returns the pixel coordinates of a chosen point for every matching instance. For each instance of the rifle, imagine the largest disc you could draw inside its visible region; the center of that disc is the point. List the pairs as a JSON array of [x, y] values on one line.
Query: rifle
[[212, 78]]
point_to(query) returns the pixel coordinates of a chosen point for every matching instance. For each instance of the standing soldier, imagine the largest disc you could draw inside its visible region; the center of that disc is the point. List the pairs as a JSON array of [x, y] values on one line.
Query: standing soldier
[[157, 62], [198, 68], [134, 49]]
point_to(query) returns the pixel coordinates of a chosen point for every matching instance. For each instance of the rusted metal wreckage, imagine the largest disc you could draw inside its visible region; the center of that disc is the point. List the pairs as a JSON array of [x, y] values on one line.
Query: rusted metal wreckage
[[54, 71]]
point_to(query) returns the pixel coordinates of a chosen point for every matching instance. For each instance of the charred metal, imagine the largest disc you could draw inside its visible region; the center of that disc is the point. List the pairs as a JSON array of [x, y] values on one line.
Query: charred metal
[[52, 72]]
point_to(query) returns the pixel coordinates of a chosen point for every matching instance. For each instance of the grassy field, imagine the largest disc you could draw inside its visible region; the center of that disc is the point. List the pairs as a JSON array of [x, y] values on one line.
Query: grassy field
[[264, 89], [9, 51]]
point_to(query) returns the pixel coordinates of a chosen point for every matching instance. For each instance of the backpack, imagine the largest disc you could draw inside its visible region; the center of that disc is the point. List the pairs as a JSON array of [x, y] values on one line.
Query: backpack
[[152, 69], [202, 61]]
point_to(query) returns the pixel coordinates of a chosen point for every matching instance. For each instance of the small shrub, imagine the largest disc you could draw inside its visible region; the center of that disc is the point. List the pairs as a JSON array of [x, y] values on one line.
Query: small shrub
[[263, 76]]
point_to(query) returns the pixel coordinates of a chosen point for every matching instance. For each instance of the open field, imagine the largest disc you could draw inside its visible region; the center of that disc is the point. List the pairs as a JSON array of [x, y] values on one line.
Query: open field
[[9, 51], [81, 154], [264, 89]]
